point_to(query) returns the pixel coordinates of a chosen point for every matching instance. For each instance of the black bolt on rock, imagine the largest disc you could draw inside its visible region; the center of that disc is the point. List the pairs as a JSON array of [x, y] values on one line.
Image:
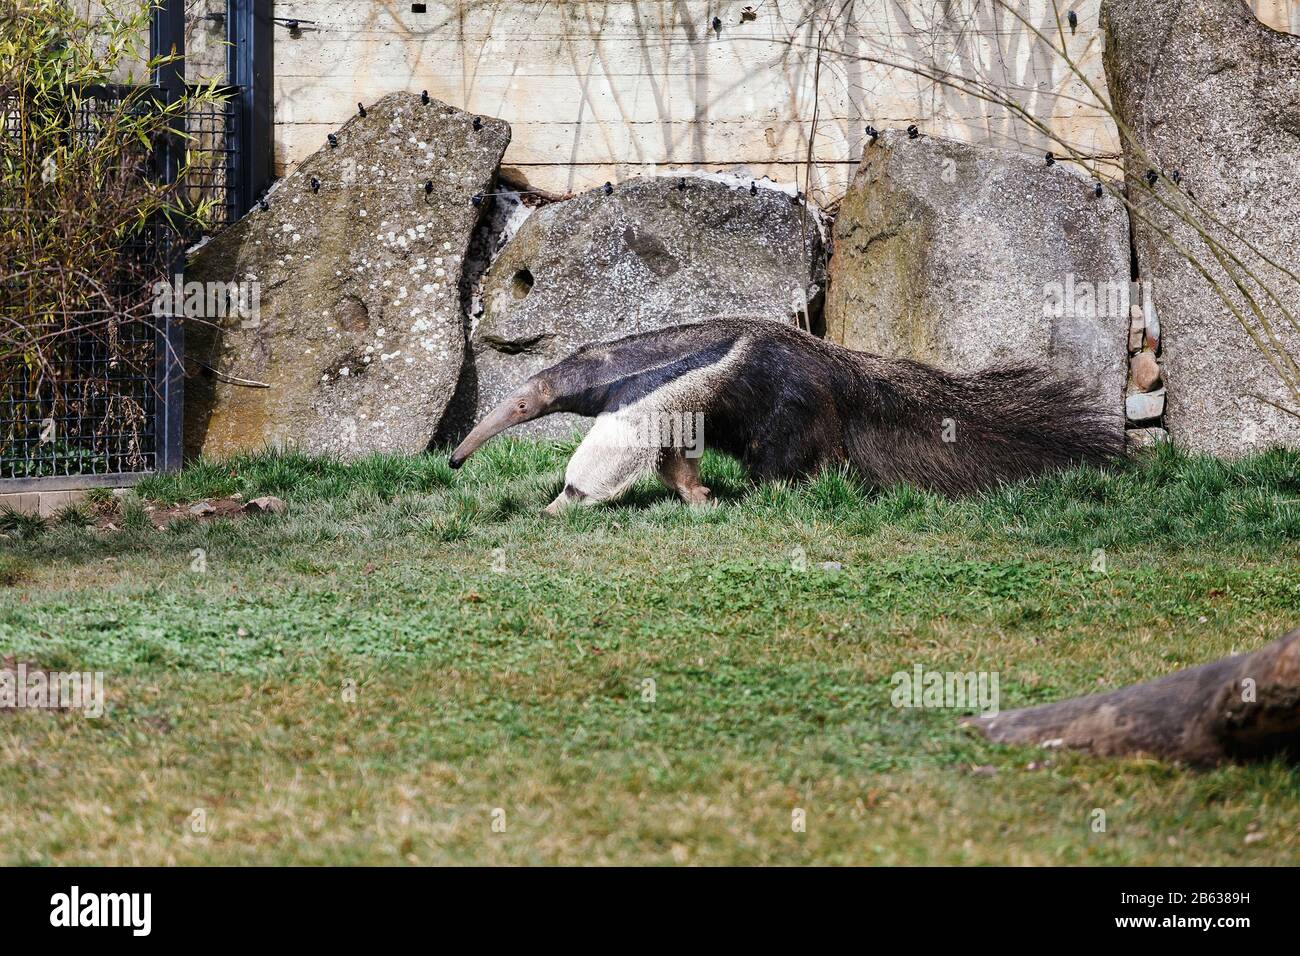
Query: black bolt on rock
[[753, 189], [913, 132], [334, 140], [1097, 190], [476, 199], [361, 109], [263, 205], [1051, 160], [873, 133], [424, 97], [717, 25], [607, 189], [1073, 19], [478, 123], [315, 185], [1152, 176], [428, 186], [1177, 177], [681, 184]]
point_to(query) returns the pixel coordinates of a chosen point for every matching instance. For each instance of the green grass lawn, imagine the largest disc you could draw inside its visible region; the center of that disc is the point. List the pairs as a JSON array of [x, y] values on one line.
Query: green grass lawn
[[642, 683]]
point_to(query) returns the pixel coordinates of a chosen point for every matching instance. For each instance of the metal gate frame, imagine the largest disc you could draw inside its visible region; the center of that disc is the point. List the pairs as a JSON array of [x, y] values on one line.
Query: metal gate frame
[[249, 172], [167, 34], [249, 169], [250, 67]]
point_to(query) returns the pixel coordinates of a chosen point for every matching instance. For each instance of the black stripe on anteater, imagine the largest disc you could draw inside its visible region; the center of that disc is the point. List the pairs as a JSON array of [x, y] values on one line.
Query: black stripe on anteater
[[609, 376]]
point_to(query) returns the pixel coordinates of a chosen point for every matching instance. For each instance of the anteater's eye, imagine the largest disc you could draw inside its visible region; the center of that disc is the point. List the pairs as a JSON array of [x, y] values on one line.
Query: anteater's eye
[[523, 406]]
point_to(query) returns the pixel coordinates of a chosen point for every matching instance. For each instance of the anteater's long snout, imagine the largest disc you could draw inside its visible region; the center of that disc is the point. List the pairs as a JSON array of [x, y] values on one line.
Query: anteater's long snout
[[497, 421], [522, 405]]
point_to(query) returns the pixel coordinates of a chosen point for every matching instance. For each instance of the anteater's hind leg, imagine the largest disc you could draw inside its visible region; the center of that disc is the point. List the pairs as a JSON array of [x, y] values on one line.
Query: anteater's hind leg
[[682, 475], [607, 463]]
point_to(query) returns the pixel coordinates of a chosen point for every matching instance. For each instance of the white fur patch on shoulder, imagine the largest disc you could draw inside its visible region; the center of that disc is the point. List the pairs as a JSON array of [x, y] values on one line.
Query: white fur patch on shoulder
[[626, 444]]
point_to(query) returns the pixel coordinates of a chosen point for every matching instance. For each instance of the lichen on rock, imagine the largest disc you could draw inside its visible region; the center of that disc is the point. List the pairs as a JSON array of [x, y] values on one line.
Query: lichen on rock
[[359, 338], [964, 256], [1212, 99], [647, 253]]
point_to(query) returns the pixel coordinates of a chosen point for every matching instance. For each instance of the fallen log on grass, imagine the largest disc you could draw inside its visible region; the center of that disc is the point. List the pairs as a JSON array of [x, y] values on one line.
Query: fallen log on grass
[[1243, 707]]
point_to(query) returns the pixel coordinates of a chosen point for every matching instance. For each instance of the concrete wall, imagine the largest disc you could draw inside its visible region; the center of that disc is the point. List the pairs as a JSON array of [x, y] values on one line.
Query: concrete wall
[[601, 90]]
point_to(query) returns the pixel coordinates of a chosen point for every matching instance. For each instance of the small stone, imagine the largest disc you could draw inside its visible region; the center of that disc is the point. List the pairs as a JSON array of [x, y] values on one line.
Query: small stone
[[1145, 437], [1253, 838], [831, 566], [268, 504], [1144, 406], [1151, 323], [1136, 328], [1144, 372], [201, 509]]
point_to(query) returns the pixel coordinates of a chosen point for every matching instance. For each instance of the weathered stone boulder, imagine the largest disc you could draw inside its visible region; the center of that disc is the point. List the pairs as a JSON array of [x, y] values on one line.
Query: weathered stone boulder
[[652, 252], [358, 341], [1213, 95], [963, 256]]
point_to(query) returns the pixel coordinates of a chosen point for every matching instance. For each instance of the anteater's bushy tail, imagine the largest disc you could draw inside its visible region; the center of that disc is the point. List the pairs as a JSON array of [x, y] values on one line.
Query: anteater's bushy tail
[[962, 433]]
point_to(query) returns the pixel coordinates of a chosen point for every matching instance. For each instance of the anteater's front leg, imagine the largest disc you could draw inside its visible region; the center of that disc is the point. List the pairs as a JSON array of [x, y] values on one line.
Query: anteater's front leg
[[610, 459]]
